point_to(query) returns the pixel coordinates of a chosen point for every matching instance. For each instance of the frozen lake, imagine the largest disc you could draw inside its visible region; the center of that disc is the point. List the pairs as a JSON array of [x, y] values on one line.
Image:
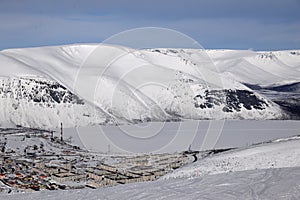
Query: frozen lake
[[178, 136]]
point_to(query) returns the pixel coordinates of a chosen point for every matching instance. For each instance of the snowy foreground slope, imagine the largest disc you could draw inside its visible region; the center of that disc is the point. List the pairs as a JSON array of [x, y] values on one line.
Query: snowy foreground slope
[[265, 171], [90, 84], [278, 154]]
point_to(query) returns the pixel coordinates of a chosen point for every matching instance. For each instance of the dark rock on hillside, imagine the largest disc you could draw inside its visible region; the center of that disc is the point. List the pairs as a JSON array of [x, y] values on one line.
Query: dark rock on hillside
[[231, 100]]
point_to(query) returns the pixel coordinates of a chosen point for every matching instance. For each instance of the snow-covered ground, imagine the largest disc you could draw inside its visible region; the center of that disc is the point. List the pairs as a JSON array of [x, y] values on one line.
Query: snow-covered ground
[[266, 171], [275, 184], [278, 154]]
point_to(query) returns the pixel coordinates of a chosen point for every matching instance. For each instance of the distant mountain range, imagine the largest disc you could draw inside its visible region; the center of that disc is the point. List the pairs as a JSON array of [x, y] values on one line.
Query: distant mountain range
[[87, 84]]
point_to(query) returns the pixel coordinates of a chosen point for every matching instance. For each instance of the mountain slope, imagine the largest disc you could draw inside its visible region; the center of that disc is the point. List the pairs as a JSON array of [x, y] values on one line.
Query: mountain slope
[[115, 84], [261, 68], [36, 102]]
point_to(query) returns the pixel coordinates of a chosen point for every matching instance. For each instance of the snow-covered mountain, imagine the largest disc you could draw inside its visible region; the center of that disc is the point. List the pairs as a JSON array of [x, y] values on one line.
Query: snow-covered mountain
[[259, 68], [86, 84]]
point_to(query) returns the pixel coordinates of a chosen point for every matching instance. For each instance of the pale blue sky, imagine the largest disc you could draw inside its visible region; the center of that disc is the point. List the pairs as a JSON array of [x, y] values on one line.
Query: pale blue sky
[[234, 24]]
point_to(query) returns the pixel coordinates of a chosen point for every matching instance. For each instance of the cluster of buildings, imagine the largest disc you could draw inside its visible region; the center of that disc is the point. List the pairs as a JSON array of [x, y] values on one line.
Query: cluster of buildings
[[35, 168], [19, 175], [134, 169]]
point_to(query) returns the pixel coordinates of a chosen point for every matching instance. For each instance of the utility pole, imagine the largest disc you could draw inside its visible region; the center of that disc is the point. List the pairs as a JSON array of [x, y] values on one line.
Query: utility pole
[[51, 132], [61, 132]]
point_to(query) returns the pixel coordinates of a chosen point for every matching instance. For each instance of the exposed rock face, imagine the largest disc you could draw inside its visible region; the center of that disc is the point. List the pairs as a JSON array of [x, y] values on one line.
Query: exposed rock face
[[36, 90], [231, 100], [43, 103]]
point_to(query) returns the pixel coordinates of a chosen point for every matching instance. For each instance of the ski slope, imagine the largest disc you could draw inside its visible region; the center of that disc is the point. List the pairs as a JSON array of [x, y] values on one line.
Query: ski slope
[[278, 154]]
